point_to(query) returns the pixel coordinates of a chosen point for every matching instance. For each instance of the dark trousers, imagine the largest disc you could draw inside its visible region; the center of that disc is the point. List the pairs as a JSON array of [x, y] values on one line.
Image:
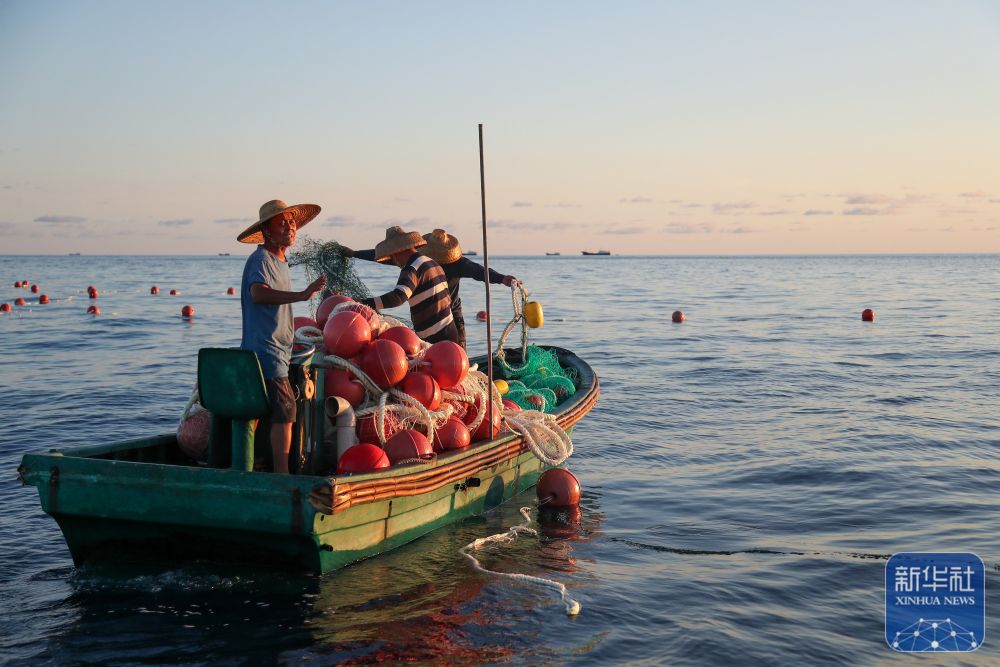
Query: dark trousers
[[450, 332]]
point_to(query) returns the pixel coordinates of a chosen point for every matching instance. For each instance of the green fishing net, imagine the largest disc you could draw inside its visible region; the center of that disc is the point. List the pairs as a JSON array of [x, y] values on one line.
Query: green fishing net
[[324, 258], [539, 383]]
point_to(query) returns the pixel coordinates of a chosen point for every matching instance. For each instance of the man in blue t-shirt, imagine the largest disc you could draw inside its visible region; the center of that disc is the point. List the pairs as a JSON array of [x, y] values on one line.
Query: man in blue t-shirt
[[266, 298]]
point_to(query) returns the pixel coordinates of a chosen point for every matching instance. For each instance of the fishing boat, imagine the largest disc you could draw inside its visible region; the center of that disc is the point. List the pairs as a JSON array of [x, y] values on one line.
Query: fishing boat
[[145, 499], [598, 252]]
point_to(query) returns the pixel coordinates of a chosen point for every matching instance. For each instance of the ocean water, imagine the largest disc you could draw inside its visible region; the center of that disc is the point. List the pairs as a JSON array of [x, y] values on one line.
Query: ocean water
[[746, 474]]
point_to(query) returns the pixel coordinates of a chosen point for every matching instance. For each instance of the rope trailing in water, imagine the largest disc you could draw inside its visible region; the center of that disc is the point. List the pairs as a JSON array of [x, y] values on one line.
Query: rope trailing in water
[[572, 606]]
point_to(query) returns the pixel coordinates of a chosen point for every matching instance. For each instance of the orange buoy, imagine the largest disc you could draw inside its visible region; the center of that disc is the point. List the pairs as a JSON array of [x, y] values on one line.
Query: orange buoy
[[483, 431], [558, 487], [511, 405], [17, 284], [174, 292], [231, 291], [90, 288], [867, 315], [481, 315], [187, 311], [677, 316], [383, 361], [373, 319], [154, 290], [346, 334], [4, 307], [363, 457], [94, 310], [302, 321], [422, 387], [341, 382], [447, 363], [43, 299], [365, 428], [93, 293], [326, 307], [34, 289], [452, 435], [405, 337], [408, 444], [20, 302]]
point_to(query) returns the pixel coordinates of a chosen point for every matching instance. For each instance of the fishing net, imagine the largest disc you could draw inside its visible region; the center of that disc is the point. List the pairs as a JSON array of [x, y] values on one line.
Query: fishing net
[[320, 258]]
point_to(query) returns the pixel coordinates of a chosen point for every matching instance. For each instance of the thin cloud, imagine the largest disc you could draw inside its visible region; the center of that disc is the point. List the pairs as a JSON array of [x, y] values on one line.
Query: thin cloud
[[636, 200], [814, 211], [723, 208], [234, 221], [863, 210], [338, 221], [736, 230], [401, 199], [995, 201], [625, 231], [562, 205], [521, 204], [974, 195], [72, 219], [9, 228], [776, 212], [693, 205], [534, 226], [867, 199], [680, 228], [175, 223]]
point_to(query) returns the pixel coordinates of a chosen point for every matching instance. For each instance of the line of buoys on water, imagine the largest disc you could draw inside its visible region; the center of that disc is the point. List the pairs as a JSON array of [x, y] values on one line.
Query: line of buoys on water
[[174, 292], [231, 291], [20, 302], [481, 316], [34, 289], [867, 315], [92, 292], [43, 299], [94, 310], [187, 311], [154, 290], [677, 316], [4, 307]]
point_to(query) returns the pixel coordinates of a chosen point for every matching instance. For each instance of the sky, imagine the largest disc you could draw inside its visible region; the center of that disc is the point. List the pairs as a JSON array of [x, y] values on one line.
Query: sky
[[677, 128]]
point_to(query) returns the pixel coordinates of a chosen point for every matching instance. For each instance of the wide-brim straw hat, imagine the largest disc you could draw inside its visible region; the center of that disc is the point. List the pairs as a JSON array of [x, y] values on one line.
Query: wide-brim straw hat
[[396, 240], [442, 247], [303, 214]]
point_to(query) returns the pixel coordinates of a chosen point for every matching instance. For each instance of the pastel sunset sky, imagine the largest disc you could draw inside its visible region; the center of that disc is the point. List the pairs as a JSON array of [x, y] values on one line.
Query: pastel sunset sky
[[638, 127]]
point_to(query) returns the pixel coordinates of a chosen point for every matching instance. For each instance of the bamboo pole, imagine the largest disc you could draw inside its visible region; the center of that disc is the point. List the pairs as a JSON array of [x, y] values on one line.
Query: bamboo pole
[[486, 271]]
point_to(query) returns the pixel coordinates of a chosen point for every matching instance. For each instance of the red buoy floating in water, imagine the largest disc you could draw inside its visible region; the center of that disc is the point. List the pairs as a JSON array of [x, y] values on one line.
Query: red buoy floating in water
[[447, 363], [346, 334], [154, 290], [17, 284], [383, 361], [405, 337], [43, 299], [92, 292], [363, 457], [677, 316], [867, 315], [341, 382], [231, 291], [408, 444], [20, 302], [325, 308], [452, 435], [94, 310], [174, 292], [34, 289], [4, 307], [187, 311], [422, 387], [481, 315], [558, 487]]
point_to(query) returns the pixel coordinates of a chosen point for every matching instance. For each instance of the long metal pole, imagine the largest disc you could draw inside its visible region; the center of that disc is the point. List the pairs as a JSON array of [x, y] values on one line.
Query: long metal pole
[[486, 271]]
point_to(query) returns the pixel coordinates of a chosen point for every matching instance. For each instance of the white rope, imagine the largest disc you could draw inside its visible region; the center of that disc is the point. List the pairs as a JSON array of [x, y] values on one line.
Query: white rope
[[546, 439], [572, 606]]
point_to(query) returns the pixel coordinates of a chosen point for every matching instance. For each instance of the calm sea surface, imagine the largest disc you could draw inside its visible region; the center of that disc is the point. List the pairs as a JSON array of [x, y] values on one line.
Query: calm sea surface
[[746, 474]]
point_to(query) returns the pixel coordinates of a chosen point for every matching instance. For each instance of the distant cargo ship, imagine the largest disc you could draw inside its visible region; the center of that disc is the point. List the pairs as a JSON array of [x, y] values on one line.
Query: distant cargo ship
[[551, 254], [470, 253], [599, 252]]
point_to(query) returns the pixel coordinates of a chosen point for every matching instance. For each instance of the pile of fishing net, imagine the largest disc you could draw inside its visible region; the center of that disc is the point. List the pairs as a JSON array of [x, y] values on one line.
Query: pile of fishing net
[[324, 258]]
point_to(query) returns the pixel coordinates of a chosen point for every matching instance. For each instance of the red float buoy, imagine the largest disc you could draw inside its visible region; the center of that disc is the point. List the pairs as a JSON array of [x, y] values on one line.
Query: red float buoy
[[511, 405], [483, 431], [408, 444], [93, 293], [363, 457], [365, 428], [17, 284], [302, 321], [34, 289], [558, 487], [340, 382], [482, 315], [383, 361], [231, 291], [154, 290], [677, 316], [346, 334], [447, 363], [4, 307], [20, 302], [867, 315], [187, 311], [192, 434], [422, 387], [174, 292], [24, 283], [452, 435], [405, 337], [94, 310], [43, 299], [373, 319], [326, 307]]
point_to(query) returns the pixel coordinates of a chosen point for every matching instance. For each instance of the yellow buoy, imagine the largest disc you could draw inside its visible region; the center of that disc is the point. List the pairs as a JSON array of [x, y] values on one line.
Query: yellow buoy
[[502, 386], [533, 314]]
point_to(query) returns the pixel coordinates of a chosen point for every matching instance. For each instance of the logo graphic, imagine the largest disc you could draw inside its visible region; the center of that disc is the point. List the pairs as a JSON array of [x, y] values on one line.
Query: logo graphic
[[935, 602]]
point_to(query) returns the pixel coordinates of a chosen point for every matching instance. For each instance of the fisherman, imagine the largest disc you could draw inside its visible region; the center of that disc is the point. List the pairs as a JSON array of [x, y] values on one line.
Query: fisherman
[[266, 297], [444, 249], [421, 283]]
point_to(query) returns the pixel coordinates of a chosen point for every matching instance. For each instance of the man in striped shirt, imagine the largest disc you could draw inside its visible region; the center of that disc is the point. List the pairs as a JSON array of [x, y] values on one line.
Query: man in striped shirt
[[421, 283]]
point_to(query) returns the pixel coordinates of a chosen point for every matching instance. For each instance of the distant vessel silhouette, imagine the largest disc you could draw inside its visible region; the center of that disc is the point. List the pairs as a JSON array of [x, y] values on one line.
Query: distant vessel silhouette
[[599, 252], [551, 254], [470, 253], [74, 254], [223, 254]]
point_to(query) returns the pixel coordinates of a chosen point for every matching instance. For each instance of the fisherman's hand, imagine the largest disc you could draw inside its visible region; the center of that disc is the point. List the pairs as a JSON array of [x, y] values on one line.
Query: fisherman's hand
[[346, 252], [509, 280], [313, 287]]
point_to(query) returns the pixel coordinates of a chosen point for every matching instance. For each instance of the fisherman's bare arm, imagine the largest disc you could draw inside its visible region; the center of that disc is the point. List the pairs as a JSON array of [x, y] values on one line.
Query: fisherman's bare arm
[[262, 293]]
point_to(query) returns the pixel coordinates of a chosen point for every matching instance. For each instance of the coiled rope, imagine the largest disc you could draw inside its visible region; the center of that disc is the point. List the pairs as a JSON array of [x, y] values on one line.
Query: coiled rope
[[572, 606]]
